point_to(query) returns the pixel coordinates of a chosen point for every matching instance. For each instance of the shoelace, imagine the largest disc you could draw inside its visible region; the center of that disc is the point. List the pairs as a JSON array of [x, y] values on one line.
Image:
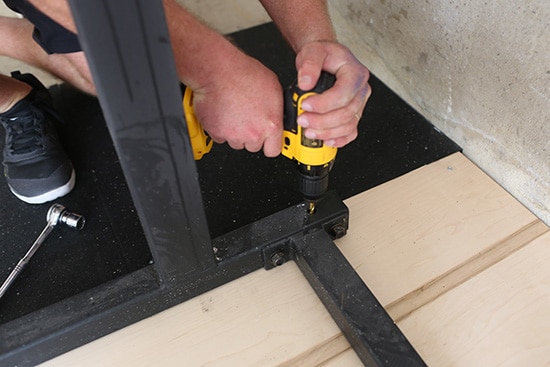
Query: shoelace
[[24, 132]]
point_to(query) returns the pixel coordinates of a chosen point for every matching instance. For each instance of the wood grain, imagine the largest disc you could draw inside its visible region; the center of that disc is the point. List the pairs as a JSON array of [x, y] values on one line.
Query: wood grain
[[262, 319], [501, 317], [465, 271], [411, 230]]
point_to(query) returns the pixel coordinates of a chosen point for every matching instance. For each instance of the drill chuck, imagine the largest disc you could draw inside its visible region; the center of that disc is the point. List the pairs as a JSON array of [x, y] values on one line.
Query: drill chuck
[[313, 180]]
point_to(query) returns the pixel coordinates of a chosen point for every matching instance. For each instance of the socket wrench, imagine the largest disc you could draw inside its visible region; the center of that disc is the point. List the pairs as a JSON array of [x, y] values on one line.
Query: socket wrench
[[56, 214]]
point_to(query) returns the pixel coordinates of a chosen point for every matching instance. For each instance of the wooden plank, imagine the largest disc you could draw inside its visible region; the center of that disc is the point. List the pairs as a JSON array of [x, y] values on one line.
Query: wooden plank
[[501, 317], [321, 353], [461, 273], [404, 235], [408, 232], [347, 358], [262, 319]]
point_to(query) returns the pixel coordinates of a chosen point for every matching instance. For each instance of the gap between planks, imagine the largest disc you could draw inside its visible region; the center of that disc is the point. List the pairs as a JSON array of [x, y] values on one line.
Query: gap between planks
[[401, 308], [321, 353], [456, 276]]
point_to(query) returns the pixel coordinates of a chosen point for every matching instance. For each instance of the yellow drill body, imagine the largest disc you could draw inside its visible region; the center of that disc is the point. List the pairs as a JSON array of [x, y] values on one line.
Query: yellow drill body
[[313, 157]]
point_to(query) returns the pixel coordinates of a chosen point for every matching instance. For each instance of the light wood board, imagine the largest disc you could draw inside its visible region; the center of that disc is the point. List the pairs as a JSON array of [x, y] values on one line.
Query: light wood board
[[417, 241], [501, 317]]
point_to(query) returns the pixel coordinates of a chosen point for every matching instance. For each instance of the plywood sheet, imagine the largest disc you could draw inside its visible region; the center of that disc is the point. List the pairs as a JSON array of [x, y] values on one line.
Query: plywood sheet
[[411, 230], [347, 359], [501, 317]]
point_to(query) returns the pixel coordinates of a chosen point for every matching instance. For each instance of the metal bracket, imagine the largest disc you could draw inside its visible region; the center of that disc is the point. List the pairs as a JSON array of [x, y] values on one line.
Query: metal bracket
[[290, 234], [293, 234], [277, 233]]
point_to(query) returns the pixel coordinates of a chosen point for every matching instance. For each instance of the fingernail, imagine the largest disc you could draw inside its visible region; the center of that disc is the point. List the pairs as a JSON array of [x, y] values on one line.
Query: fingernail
[[306, 79], [310, 134], [306, 106], [302, 121]]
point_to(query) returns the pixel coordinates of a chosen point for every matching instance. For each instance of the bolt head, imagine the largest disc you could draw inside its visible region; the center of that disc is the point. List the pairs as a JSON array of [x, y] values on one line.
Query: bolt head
[[337, 231], [278, 258]]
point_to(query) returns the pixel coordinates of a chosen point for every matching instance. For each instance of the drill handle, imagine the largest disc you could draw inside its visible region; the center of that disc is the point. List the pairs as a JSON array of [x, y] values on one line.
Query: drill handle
[[201, 143], [294, 96], [295, 144]]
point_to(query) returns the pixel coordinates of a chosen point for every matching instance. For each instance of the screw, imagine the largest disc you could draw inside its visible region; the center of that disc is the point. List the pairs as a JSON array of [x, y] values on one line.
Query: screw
[[278, 258]]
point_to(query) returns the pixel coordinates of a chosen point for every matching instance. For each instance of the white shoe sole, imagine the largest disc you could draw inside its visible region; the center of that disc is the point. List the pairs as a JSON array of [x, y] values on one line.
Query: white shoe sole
[[50, 195]]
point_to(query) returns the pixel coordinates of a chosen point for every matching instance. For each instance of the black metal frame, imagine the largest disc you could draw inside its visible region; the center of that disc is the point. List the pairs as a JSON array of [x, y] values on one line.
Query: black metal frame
[[135, 75]]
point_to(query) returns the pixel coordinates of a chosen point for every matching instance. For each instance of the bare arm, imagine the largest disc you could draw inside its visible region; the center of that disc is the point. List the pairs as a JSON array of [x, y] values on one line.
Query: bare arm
[[225, 81], [237, 99], [302, 21]]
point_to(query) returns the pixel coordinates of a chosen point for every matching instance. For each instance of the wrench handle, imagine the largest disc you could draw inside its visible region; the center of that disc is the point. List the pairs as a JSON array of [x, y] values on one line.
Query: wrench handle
[[13, 275], [25, 260]]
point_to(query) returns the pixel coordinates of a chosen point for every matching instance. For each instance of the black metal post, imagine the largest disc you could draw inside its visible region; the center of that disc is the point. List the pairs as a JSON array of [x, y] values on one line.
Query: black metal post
[[133, 68]]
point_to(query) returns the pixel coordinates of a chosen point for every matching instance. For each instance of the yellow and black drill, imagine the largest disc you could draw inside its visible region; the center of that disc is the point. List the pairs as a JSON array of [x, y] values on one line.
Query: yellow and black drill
[[314, 159]]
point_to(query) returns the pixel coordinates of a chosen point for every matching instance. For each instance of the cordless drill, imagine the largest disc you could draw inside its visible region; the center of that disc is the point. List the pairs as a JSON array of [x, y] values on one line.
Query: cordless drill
[[314, 159]]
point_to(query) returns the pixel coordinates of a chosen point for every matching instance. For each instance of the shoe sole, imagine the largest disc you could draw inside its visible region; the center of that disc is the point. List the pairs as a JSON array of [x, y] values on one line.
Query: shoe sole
[[50, 195]]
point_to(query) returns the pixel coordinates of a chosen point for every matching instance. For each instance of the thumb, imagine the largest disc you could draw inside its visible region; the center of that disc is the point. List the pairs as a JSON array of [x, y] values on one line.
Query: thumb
[[309, 63]]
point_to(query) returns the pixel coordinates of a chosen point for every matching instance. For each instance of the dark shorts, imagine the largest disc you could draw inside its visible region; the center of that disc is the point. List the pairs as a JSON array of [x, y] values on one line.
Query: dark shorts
[[50, 35]]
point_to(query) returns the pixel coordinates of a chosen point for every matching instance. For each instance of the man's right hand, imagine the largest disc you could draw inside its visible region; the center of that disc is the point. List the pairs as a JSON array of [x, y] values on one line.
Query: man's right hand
[[242, 106]]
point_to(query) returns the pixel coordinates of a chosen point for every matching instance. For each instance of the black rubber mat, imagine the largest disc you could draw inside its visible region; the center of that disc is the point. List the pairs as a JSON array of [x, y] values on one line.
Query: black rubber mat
[[238, 187]]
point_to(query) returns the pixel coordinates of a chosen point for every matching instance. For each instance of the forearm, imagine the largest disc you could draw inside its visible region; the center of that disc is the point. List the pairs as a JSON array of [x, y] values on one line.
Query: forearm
[[200, 52], [301, 21]]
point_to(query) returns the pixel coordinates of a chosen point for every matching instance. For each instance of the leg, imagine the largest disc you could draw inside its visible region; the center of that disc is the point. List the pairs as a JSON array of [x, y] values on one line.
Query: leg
[[11, 92], [19, 44]]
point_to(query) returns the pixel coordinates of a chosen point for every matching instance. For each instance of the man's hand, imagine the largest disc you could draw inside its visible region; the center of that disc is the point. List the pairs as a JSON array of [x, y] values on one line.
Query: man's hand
[[243, 107], [332, 116]]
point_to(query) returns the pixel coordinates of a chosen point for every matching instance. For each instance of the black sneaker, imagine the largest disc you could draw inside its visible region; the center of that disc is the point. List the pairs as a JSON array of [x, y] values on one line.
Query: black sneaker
[[36, 167]]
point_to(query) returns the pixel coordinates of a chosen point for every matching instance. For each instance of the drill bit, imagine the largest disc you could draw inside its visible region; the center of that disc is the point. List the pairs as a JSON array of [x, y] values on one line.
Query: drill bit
[[311, 205]]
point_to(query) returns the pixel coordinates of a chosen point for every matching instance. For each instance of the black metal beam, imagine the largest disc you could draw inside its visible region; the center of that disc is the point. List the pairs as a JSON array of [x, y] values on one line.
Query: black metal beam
[[367, 326], [133, 68]]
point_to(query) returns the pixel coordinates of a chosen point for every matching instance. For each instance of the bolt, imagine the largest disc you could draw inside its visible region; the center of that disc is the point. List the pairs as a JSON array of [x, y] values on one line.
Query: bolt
[[337, 231], [278, 258]]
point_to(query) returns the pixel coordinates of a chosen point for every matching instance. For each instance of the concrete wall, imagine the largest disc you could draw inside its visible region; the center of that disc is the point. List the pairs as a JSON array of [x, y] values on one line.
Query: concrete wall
[[478, 70]]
